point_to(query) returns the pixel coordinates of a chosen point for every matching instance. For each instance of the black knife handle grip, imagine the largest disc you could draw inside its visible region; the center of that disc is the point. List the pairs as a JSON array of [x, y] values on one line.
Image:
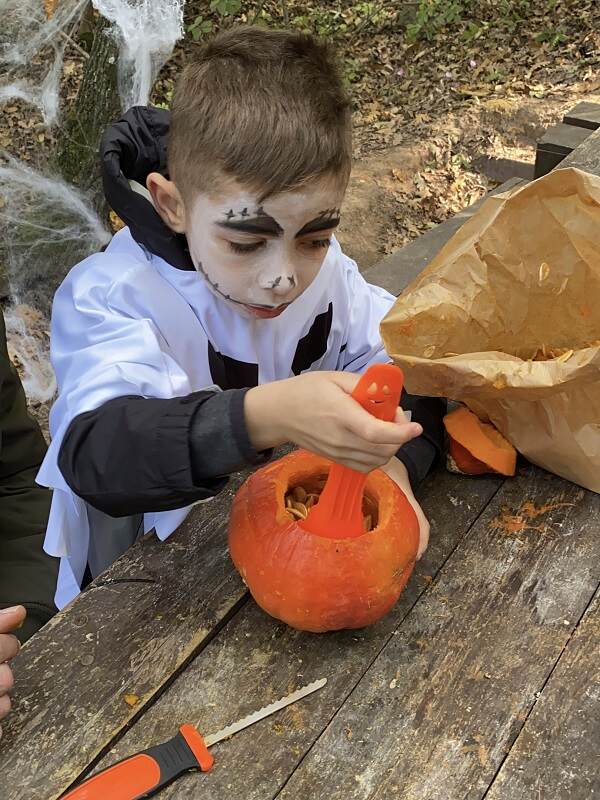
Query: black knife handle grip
[[146, 773]]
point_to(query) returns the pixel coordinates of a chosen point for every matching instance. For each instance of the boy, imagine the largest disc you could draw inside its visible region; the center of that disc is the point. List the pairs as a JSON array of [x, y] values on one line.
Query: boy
[[219, 323]]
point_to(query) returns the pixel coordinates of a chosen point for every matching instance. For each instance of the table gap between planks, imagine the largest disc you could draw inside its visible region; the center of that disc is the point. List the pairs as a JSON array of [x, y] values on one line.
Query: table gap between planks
[[482, 682]]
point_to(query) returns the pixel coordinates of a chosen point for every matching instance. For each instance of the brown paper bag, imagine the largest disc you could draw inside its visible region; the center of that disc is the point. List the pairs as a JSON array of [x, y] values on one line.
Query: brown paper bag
[[522, 275]]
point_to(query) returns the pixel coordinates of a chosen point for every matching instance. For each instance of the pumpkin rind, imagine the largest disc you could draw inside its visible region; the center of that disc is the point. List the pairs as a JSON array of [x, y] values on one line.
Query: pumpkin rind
[[312, 582], [460, 461], [477, 447]]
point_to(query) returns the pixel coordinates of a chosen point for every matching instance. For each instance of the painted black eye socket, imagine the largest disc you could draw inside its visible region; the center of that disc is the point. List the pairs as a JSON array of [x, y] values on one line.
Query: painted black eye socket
[[245, 248], [252, 247]]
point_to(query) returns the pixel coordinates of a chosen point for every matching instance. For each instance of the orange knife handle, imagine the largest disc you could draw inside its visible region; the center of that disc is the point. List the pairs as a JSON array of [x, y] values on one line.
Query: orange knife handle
[[146, 773], [381, 404]]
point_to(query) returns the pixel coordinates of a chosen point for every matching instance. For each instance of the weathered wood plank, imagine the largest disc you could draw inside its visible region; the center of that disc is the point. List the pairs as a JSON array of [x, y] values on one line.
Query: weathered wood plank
[[584, 115], [557, 143], [256, 659], [395, 272], [439, 709], [586, 156], [127, 634], [557, 754]]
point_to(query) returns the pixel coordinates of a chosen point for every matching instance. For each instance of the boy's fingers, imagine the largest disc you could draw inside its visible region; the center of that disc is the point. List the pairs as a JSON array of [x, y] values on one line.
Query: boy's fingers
[[365, 425], [4, 705], [7, 680], [11, 618], [376, 431], [401, 417], [365, 461], [346, 446], [9, 646]]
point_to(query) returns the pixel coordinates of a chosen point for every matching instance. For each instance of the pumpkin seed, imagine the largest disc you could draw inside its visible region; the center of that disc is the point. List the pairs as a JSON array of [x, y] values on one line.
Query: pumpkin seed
[[299, 494], [299, 510], [565, 356], [544, 272]]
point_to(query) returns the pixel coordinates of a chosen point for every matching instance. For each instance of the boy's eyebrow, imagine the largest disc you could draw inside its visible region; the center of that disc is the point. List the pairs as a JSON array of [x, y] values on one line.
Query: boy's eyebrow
[[264, 224], [318, 224]]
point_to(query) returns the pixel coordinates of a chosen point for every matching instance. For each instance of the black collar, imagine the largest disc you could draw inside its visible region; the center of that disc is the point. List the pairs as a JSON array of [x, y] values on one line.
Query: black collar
[[131, 148]]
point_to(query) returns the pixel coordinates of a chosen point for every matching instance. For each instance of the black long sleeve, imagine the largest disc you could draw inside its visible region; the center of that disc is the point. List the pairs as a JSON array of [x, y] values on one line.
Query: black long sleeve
[[136, 454], [420, 455]]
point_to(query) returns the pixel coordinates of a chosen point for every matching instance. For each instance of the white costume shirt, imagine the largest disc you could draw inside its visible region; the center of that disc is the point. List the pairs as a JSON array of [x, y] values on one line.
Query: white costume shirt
[[125, 322]]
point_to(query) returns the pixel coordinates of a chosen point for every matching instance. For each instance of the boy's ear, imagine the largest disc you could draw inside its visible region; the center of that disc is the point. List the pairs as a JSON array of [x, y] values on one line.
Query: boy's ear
[[167, 201]]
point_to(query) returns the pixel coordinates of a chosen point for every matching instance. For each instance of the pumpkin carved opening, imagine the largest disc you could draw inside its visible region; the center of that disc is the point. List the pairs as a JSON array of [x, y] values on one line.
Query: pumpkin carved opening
[[301, 494]]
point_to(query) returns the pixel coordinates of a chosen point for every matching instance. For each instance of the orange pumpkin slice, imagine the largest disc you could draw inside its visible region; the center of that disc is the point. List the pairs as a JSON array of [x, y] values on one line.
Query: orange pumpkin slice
[[476, 447]]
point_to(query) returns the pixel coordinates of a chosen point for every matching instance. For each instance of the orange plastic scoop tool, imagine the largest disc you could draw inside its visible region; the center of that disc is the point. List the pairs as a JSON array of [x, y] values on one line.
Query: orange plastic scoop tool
[[338, 514]]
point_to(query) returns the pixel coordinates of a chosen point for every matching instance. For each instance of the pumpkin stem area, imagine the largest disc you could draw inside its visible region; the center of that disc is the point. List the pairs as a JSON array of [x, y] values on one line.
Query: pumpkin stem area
[[302, 495]]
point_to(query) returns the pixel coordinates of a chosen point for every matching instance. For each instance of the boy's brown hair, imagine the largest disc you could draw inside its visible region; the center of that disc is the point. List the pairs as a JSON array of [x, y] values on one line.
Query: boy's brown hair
[[267, 108]]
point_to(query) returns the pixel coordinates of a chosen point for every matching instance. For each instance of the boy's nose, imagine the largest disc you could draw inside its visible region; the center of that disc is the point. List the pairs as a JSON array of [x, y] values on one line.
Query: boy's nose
[[280, 285]]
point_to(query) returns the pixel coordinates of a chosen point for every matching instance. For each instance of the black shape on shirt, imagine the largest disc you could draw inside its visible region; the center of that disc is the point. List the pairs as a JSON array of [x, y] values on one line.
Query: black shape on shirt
[[314, 345], [229, 373]]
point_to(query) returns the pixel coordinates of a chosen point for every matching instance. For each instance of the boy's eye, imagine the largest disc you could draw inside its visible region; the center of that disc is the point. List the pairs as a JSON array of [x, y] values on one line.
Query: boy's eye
[[320, 243], [245, 248]]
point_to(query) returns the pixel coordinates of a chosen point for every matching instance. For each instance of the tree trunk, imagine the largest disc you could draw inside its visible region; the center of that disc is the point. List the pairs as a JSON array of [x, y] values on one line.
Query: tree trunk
[[97, 105]]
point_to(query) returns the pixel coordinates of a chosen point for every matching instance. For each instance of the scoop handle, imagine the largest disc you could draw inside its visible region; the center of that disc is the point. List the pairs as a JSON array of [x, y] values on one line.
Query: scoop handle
[[338, 513], [382, 402]]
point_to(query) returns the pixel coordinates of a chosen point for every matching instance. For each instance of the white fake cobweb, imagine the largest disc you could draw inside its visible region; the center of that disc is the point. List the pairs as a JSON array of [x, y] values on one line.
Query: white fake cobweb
[[32, 47], [46, 226], [146, 32], [31, 52]]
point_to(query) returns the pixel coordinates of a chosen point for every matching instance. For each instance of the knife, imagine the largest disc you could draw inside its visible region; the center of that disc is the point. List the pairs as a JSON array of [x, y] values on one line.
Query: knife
[[147, 772]]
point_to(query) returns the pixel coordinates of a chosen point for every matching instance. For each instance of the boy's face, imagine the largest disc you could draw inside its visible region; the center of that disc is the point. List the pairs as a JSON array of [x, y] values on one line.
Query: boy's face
[[261, 256]]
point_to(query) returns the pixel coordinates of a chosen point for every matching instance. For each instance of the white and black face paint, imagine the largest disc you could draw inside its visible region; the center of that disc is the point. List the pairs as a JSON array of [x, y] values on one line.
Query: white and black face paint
[[261, 256]]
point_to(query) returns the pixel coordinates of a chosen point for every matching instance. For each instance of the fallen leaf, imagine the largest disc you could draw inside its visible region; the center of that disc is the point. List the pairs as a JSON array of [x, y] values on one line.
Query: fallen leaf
[[49, 7], [131, 699]]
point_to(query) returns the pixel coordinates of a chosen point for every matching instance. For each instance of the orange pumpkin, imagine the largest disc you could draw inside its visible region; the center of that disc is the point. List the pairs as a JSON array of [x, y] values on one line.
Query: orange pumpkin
[[311, 582], [476, 447]]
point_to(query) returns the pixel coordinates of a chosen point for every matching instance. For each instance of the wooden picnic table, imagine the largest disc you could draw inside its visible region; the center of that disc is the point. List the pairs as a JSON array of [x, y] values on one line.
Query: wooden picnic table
[[484, 680]]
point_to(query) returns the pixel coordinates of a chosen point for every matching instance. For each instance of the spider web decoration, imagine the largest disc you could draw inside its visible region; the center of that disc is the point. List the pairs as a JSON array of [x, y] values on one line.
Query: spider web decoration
[[31, 51], [146, 32]]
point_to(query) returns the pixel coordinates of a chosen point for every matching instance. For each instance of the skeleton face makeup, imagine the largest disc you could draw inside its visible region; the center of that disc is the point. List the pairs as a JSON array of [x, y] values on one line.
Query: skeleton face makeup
[[261, 256]]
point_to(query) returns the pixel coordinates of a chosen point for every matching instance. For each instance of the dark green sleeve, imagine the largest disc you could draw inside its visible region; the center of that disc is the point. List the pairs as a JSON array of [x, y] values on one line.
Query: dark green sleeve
[[27, 575]]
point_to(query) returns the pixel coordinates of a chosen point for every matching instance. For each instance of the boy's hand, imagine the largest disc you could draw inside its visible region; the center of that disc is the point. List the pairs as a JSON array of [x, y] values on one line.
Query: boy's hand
[[399, 474], [10, 619], [315, 411]]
